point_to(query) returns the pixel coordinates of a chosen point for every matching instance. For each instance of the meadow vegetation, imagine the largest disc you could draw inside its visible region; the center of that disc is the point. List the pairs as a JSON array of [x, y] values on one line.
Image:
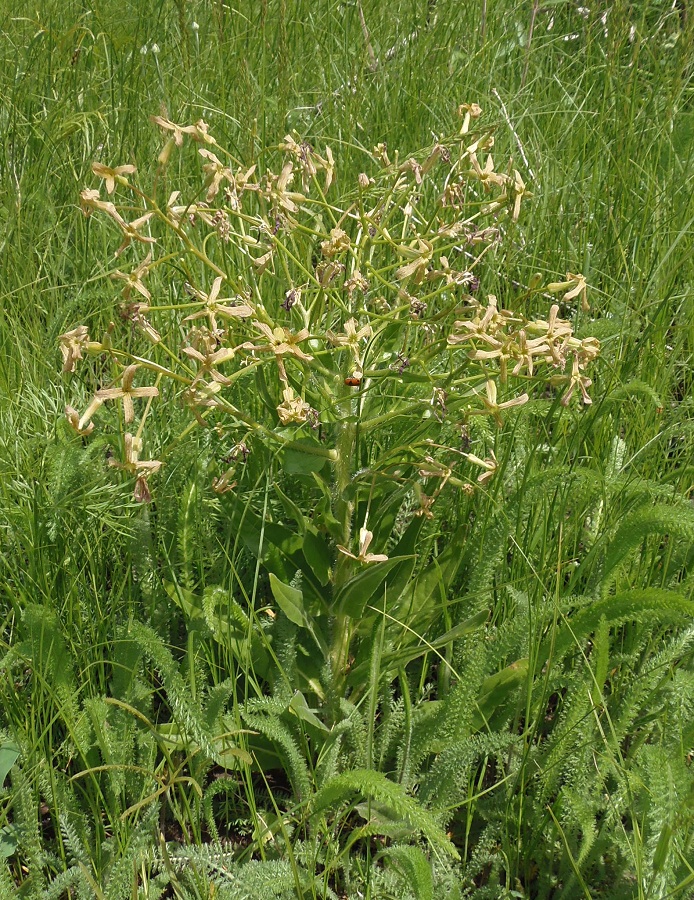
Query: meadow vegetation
[[346, 449]]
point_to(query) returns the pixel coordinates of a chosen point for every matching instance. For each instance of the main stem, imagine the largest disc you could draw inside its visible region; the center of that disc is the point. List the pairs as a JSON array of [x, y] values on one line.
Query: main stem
[[342, 625]]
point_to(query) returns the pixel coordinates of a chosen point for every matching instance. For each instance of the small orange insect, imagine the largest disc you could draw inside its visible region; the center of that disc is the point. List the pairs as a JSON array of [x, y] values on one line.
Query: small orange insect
[[352, 381]]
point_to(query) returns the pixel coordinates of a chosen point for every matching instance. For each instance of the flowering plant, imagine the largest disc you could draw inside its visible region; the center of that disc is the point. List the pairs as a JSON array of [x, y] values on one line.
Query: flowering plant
[[343, 331]]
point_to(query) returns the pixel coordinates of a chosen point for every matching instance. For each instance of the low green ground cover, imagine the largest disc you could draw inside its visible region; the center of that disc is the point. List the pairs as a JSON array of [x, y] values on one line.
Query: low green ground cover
[[399, 606]]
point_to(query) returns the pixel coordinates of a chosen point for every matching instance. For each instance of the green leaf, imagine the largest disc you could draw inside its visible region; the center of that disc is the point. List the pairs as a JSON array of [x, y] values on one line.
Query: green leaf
[[218, 614], [9, 752], [301, 709], [290, 601], [403, 656], [434, 581], [357, 593], [662, 848], [317, 556], [374, 786], [639, 605], [281, 550], [9, 840], [497, 690], [291, 509], [301, 457], [415, 869]]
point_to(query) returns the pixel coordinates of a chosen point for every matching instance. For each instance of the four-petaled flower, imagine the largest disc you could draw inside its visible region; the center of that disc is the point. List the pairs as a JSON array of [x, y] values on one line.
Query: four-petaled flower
[[112, 175], [492, 408], [575, 380], [277, 190], [293, 409], [490, 466], [282, 342], [209, 361], [126, 392], [216, 172], [214, 307], [73, 418], [350, 340], [352, 335], [487, 176], [90, 199], [72, 343], [421, 257], [131, 232], [199, 131], [575, 286], [133, 465], [133, 281], [365, 538]]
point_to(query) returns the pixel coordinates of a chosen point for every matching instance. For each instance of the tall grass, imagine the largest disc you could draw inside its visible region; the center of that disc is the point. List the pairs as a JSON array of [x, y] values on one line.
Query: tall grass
[[548, 743]]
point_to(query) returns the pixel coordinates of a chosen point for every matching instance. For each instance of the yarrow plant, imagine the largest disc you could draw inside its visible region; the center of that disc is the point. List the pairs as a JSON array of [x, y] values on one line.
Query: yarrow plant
[[315, 319]]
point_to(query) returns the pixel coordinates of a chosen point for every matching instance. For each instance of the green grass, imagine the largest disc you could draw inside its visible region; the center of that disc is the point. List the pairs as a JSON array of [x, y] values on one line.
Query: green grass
[[550, 740]]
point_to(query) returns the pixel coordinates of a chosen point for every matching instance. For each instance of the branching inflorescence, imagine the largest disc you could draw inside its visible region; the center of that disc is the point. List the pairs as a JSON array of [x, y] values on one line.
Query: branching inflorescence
[[376, 291]]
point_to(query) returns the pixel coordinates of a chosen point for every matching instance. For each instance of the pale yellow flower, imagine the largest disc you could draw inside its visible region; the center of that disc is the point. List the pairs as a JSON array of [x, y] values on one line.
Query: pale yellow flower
[[126, 393], [208, 363], [133, 465], [329, 166], [490, 466], [338, 242], [131, 232], [468, 111], [199, 131], [365, 538], [133, 280], [492, 408], [112, 175], [72, 343], [224, 484], [487, 176], [575, 380], [282, 342], [421, 257], [356, 282], [304, 156], [518, 191], [380, 151], [216, 172], [134, 312], [352, 335], [202, 395], [277, 192], [262, 262], [73, 418], [214, 307], [293, 410], [575, 286], [85, 424], [350, 339], [411, 165], [89, 200]]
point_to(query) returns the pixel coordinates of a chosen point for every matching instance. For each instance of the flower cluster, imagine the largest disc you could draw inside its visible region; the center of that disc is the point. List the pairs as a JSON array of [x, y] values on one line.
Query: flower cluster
[[380, 298], [497, 334]]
